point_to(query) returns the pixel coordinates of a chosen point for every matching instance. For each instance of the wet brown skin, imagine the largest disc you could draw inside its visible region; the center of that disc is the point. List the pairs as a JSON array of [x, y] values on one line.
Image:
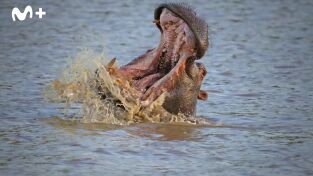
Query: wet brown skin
[[171, 68]]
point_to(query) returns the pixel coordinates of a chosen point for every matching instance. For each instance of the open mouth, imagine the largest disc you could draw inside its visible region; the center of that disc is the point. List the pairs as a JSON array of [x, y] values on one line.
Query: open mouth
[[183, 40], [177, 40]]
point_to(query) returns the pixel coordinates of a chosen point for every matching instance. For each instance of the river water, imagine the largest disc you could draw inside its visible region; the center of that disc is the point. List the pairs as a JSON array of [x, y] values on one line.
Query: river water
[[259, 80]]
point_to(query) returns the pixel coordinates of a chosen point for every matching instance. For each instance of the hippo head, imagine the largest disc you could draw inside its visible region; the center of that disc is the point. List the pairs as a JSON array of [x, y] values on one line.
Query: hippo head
[[170, 67]]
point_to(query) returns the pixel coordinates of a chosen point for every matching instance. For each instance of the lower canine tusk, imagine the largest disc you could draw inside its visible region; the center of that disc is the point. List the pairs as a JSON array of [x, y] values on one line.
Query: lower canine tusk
[[156, 21]]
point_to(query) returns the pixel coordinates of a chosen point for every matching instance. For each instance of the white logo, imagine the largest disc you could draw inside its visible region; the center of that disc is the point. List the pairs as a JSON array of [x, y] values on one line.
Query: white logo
[[27, 11]]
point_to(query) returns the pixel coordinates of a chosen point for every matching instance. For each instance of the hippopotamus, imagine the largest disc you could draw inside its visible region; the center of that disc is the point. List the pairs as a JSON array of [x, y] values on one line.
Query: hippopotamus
[[171, 69], [171, 66]]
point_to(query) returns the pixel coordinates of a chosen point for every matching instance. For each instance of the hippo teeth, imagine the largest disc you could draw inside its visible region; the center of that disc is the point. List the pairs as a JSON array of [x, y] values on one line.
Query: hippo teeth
[[161, 64]]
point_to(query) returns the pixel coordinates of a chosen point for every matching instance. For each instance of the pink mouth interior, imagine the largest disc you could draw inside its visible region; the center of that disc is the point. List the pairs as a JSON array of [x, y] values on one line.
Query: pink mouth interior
[[177, 42]]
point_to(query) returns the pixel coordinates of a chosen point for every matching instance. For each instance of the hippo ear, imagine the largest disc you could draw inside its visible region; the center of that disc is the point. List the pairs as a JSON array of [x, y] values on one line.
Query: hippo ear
[[111, 63], [203, 95]]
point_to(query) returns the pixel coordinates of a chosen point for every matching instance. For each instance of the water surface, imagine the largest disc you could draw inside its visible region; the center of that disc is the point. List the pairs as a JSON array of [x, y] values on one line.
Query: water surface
[[259, 80]]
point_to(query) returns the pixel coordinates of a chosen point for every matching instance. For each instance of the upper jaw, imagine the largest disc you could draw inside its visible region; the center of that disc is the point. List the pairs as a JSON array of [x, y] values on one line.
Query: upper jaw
[[197, 25], [177, 39]]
